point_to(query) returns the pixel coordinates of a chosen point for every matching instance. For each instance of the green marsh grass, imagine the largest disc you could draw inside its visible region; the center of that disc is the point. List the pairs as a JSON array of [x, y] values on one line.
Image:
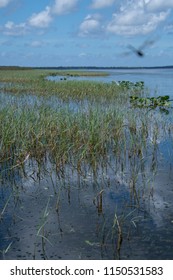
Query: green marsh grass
[[85, 123], [79, 128]]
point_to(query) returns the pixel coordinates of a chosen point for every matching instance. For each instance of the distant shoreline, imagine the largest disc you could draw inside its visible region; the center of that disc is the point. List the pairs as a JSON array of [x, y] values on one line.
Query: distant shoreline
[[84, 67]]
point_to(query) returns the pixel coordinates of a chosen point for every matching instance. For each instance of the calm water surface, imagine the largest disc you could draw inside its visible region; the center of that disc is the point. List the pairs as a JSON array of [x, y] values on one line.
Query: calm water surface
[[160, 80]]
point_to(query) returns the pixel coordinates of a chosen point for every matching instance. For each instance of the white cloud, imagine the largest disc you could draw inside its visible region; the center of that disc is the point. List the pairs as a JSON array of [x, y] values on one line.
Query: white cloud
[[82, 54], [42, 19], [64, 6], [158, 5], [39, 20], [12, 29], [99, 4], [45, 17], [169, 29], [134, 18], [90, 26], [36, 44], [4, 3]]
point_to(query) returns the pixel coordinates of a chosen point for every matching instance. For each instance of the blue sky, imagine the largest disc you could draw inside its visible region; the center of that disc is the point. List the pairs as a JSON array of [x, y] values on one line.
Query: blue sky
[[86, 32]]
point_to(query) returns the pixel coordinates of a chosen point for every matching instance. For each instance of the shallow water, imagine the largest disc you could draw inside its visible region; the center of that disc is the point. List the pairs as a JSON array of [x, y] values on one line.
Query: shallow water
[[52, 217], [72, 215]]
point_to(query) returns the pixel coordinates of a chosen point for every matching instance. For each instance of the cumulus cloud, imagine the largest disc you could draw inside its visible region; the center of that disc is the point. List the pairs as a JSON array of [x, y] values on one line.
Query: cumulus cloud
[[38, 20], [4, 3], [99, 4], [42, 19], [45, 17], [90, 26], [64, 6], [135, 17]]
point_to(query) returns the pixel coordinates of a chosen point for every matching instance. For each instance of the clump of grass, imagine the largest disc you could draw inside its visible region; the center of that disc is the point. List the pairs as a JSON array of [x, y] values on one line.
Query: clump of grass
[[69, 136], [35, 82], [78, 73]]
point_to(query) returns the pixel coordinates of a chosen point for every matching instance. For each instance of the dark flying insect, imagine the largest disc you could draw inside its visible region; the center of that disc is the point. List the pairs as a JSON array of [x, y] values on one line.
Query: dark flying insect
[[139, 51]]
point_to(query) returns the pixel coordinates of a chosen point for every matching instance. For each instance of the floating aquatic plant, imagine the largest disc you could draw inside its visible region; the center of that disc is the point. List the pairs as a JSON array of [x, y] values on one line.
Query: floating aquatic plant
[[162, 102], [131, 85]]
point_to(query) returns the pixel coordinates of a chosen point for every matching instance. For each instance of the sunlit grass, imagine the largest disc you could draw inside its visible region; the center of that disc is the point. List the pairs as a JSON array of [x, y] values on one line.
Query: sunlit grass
[[35, 82]]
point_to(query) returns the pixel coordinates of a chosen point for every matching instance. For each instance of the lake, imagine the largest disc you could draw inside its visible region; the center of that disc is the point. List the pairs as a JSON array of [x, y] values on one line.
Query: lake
[[123, 210], [159, 80]]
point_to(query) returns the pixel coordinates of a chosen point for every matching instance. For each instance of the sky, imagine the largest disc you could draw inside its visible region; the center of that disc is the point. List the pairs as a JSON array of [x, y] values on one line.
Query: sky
[[102, 33]]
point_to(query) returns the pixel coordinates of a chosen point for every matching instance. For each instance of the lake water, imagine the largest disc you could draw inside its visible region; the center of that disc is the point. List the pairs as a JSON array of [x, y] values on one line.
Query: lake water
[[47, 216], [157, 80]]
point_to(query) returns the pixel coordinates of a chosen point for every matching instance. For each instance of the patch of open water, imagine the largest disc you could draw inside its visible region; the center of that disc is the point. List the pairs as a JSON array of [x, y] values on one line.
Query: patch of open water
[[49, 216]]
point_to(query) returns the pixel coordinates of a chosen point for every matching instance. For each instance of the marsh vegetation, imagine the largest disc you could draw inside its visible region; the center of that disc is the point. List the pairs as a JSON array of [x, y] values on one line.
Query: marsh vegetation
[[78, 166]]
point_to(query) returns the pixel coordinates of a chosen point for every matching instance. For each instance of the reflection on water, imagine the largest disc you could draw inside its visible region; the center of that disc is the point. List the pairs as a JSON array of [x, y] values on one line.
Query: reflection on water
[[72, 215]]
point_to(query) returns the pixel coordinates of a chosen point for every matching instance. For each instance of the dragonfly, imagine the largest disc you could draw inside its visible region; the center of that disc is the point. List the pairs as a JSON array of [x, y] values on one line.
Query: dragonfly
[[140, 50]]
